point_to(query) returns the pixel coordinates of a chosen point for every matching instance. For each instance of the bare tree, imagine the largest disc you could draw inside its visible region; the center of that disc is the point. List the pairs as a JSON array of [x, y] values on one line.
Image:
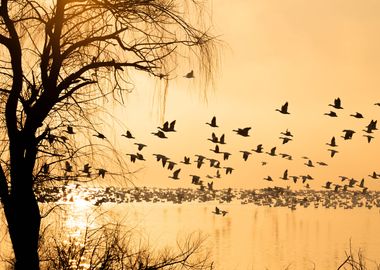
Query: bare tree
[[58, 58]]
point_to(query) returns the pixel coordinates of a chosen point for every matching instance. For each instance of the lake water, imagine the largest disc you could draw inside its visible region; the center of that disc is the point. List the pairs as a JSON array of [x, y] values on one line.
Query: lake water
[[250, 237]]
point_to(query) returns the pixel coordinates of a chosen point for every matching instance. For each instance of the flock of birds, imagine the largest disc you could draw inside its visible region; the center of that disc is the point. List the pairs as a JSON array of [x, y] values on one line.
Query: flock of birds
[[220, 156], [286, 136]]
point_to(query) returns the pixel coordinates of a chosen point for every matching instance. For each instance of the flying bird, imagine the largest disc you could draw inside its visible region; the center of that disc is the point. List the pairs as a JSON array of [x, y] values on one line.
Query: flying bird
[[213, 122], [333, 152], [284, 109], [285, 175], [228, 170], [245, 154], [287, 133], [268, 178], [259, 149], [357, 115], [327, 185], [285, 139], [128, 135], [309, 163], [99, 135], [331, 114], [168, 127], [160, 134], [102, 172], [226, 155], [186, 160], [369, 137], [175, 175], [272, 152], [348, 133], [69, 130], [242, 131], [337, 104], [140, 146], [189, 75], [332, 143]]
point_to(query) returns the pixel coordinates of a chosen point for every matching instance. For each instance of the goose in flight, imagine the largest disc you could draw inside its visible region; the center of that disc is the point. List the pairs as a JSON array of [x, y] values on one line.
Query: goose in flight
[[357, 115], [372, 125], [226, 155], [285, 139], [86, 168], [171, 165], [69, 130], [333, 152], [168, 127], [284, 108], [327, 185], [295, 178], [332, 143], [45, 168], [321, 163], [128, 135], [287, 133], [216, 150], [285, 175], [352, 182], [362, 183], [195, 179], [348, 133], [189, 75], [374, 175], [377, 104], [242, 131], [99, 135], [140, 146], [337, 104], [245, 154], [259, 149], [213, 122], [218, 175], [163, 159], [331, 114], [68, 167], [210, 186], [133, 157], [272, 152], [229, 170], [102, 172], [268, 178], [175, 175], [369, 137], [214, 138], [309, 163], [160, 134], [186, 160]]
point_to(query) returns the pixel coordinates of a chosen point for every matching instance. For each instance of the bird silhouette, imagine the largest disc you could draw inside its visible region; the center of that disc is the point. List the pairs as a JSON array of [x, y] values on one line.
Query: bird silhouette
[[200, 160], [377, 104], [45, 168], [86, 168], [175, 174], [285, 139], [226, 155], [218, 175], [140, 146], [285, 175], [369, 137], [268, 178], [263, 163], [133, 157], [331, 114], [287, 133], [374, 175], [245, 154], [99, 135], [171, 165], [272, 152], [214, 138], [242, 131], [68, 167], [309, 163], [102, 172], [228, 170], [160, 134], [348, 133], [210, 186], [219, 212], [168, 127], [321, 163], [259, 149], [162, 158], [195, 179], [216, 149], [332, 143], [362, 183], [69, 130], [189, 75], [284, 108], [128, 135], [295, 178], [333, 152], [352, 182], [372, 125], [186, 160], [357, 115], [337, 104], [327, 185], [213, 122]]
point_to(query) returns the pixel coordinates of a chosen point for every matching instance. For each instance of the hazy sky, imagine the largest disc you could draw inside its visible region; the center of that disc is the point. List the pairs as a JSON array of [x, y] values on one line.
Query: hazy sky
[[303, 52]]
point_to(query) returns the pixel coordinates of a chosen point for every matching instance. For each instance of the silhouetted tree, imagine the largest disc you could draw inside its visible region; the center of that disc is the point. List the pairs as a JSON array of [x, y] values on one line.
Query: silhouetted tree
[[58, 57]]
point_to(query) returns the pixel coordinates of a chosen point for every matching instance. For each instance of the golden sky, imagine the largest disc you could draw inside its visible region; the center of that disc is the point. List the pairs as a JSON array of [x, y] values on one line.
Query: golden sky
[[305, 52]]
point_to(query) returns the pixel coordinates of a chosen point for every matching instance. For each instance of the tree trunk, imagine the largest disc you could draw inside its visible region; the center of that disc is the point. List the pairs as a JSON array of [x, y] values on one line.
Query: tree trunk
[[23, 217]]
